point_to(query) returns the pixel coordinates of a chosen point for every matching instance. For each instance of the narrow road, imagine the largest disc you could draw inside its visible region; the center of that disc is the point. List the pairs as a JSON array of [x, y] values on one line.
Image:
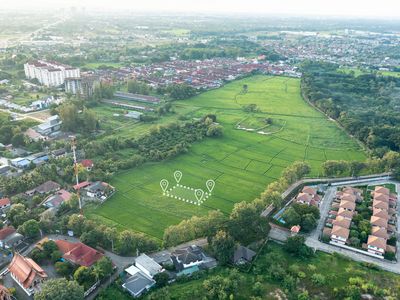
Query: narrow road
[[324, 210]]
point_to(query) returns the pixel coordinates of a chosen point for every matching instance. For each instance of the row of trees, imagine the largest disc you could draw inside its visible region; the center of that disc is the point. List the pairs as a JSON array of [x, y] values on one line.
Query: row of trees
[[390, 162]]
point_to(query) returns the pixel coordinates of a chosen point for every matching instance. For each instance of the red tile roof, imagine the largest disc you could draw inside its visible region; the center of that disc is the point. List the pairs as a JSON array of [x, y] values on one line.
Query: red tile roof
[[25, 270], [78, 253], [6, 231], [81, 185], [87, 163], [5, 201]]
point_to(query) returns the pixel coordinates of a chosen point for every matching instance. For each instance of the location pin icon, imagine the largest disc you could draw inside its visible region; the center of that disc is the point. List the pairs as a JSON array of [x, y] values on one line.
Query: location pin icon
[[164, 184], [178, 176], [199, 193], [210, 185]]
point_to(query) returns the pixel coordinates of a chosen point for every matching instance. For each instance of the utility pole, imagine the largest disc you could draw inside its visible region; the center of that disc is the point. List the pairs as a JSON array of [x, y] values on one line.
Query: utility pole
[[76, 171]]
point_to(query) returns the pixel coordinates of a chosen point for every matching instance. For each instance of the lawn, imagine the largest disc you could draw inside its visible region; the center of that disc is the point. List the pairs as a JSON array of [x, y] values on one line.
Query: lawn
[[241, 163]]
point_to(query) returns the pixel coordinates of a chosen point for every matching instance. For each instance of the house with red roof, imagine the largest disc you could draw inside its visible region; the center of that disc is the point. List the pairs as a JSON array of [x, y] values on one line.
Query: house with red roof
[[5, 203], [26, 273], [5, 233], [78, 253], [87, 164]]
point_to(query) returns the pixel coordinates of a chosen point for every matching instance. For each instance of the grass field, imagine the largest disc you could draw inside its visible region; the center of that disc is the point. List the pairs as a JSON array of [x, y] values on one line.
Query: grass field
[[241, 163]]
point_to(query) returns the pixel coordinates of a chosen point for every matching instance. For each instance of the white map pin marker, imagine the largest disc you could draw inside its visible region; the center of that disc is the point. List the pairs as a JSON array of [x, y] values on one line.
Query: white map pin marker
[[178, 176], [164, 184], [199, 193], [210, 185]]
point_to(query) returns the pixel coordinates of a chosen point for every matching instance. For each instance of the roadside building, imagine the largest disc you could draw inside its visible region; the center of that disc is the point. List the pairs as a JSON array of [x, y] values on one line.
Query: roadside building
[[339, 234]]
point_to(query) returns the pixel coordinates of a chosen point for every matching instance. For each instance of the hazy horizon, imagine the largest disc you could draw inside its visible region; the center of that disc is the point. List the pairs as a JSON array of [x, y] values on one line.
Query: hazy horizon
[[314, 8]]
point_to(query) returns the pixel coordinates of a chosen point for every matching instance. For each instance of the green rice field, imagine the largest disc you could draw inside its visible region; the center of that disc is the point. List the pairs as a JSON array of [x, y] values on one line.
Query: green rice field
[[241, 162]]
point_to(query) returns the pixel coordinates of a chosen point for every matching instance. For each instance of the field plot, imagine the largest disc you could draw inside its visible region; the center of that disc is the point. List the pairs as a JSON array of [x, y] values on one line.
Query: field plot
[[241, 163]]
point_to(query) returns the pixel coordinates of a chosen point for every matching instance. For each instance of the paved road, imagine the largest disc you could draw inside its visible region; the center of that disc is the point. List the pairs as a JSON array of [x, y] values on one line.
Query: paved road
[[324, 210]]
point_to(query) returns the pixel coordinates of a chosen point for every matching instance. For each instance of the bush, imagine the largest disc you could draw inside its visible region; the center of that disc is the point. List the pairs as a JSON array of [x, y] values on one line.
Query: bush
[[318, 279]]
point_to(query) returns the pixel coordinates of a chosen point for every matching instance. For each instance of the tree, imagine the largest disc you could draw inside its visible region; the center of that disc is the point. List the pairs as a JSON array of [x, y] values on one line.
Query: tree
[[84, 277], [161, 279], [103, 268], [295, 245], [291, 217], [63, 268], [214, 130], [308, 222], [111, 234], [246, 225], [223, 247], [60, 289], [17, 214], [318, 279], [49, 247], [30, 229]]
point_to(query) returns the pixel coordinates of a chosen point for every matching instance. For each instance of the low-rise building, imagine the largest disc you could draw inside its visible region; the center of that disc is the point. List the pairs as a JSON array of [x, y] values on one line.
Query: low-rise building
[[339, 234], [78, 253], [27, 274], [137, 283], [147, 265]]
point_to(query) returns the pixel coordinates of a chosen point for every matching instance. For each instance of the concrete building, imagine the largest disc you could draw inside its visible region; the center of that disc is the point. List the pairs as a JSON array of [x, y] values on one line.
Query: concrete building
[[83, 86], [49, 73]]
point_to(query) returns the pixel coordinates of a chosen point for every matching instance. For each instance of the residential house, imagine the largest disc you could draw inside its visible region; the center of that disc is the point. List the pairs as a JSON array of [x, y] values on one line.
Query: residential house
[[137, 283], [347, 205], [54, 201], [5, 233], [379, 232], [308, 196], [78, 253], [339, 234], [26, 273], [59, 153], [147, 265], [5, 203], [87, 164], [45, 188], [81, 185], [381, 190], [380, 213], [376, 245], [379, 222], [345, 213], [99, 190], [342, 222], [243, 255], [52, 125], [380, 205], [188, 257]]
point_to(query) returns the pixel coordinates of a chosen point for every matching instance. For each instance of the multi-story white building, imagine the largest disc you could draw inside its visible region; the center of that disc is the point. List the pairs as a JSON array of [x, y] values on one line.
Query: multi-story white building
[[50, 73]]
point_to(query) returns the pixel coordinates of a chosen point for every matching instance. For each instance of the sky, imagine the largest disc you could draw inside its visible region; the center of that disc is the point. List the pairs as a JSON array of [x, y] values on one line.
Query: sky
[[357, 8]]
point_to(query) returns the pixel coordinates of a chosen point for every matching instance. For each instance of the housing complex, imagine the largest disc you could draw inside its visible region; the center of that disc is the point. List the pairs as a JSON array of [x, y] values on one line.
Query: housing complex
[[49, 73]]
